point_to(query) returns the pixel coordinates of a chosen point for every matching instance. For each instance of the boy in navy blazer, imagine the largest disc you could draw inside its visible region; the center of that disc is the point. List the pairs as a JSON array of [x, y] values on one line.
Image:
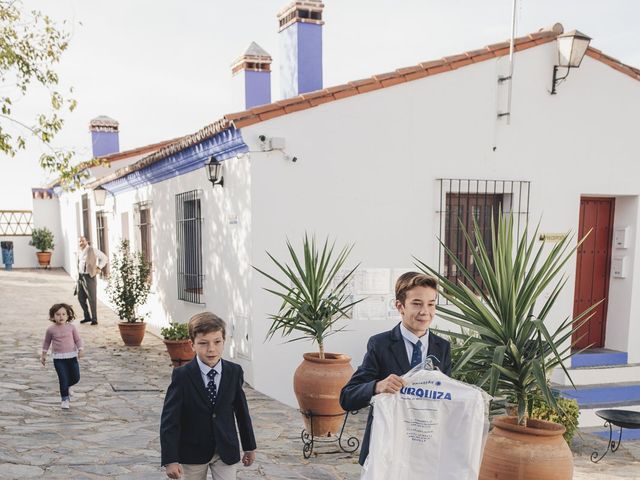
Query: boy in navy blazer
[[393, 353], [203, 403]]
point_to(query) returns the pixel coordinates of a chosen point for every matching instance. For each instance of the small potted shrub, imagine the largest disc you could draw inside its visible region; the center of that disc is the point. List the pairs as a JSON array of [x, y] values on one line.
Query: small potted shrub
[[42, 239], [176, 339], [128, 289]]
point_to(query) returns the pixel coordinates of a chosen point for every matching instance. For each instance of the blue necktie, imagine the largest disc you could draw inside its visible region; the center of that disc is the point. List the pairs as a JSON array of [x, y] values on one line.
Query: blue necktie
[[211, 386], [416, 357]]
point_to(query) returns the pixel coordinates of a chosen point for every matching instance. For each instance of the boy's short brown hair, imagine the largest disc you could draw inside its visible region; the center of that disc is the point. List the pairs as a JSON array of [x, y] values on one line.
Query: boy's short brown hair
[[410, 280], [57, 306], [206, 322]]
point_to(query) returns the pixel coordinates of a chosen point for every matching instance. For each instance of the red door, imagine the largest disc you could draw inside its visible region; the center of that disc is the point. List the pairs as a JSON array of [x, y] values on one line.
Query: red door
[[592, 268]]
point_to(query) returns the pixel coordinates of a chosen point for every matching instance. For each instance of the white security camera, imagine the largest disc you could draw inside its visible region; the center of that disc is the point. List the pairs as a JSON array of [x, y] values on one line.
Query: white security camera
[[262, 138]]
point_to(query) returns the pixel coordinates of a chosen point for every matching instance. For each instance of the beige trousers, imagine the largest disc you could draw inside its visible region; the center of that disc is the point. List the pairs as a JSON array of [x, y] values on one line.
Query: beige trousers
[[219, 470]]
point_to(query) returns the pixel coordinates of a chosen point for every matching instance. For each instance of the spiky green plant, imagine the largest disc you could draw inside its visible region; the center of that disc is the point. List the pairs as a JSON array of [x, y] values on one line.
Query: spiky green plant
[[313, 295], [512, 341]]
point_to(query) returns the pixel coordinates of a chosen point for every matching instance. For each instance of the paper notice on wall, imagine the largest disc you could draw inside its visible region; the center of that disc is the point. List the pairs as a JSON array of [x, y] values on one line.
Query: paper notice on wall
[[372, 306], [372, 281]]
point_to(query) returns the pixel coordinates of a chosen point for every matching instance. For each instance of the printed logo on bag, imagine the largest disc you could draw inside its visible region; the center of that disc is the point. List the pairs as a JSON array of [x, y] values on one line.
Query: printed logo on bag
[[425, 393]]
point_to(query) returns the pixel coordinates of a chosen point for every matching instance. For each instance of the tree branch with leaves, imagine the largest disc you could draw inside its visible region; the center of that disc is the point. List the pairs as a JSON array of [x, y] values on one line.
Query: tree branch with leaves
[[31, 45]]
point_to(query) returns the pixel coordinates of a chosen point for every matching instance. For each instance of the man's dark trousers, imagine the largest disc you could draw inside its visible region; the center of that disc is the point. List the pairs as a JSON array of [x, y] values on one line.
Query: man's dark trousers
[[87, 292]]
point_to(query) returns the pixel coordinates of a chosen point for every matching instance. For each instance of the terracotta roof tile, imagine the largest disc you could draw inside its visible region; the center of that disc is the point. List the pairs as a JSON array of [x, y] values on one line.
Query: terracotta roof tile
[[273, 113], [364, 81], [369, 87], [390, 81], [297, 106], [349, 92], [417, 75], [432, 63], [320, 100], [412, 69], [311, 95]]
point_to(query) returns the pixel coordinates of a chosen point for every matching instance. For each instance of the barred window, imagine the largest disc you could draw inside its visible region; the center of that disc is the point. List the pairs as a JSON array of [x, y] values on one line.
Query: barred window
[[103, 239], [86, 223], [189, 242], [463, 201], [144, 227]]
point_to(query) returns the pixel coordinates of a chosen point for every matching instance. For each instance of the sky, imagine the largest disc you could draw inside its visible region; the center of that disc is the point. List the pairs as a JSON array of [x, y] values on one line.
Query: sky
[[162, 67]]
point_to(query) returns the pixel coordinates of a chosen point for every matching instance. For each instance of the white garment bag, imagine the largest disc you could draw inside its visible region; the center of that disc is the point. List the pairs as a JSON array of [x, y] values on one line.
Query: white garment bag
[[434, 429]]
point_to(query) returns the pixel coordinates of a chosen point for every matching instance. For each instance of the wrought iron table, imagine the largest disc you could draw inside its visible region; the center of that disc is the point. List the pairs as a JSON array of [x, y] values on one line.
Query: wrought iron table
[[619, 418]]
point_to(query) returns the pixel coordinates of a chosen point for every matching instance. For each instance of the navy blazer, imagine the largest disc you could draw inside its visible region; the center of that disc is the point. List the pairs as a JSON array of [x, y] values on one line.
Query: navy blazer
[[386, 354], [192, 430]]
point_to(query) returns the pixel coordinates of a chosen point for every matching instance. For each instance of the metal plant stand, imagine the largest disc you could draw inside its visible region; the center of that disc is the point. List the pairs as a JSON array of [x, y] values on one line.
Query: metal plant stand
[[347, 445], [619, 418]]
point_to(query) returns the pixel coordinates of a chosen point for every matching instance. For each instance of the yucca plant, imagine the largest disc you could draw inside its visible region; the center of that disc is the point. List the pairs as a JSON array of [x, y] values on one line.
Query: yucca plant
[[313, 292], [503, 309]]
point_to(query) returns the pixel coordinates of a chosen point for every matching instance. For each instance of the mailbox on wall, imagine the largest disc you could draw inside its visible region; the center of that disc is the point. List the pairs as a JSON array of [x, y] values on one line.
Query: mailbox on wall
[[618, 267], [620, 237]]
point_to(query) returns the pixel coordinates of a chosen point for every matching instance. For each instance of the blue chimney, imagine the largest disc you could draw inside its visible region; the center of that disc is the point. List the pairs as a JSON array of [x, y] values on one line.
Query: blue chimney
[[251, 78], [300, 27], [104, 136]]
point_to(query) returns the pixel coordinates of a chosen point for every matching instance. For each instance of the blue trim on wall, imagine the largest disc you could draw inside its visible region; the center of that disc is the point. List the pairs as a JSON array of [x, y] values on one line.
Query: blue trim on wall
[[602, 396], [224, 145], [598, 359]]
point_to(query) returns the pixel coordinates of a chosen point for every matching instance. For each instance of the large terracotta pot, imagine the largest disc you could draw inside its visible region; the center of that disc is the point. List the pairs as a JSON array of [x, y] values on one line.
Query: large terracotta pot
[[44, 259], [180, 351], [535, 452], [317, 384], [132, 333]]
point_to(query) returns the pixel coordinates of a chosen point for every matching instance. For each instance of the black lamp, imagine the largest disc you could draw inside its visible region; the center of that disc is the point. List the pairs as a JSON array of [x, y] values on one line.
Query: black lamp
[[214, 171], [99, 196], [571, 49]]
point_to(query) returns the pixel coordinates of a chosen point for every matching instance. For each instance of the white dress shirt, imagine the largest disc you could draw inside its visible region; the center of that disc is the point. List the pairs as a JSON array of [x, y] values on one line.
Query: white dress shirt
[[101, 259], [410, 340], [204, 369]]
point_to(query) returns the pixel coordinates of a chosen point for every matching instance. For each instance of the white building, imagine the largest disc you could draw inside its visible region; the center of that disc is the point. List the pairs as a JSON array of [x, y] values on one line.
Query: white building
[[385, 163]]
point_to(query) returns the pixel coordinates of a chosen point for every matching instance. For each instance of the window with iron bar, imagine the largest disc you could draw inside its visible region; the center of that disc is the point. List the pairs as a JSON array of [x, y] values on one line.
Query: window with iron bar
[[463, 201], [102, 232], [189, 242], [143, 215]]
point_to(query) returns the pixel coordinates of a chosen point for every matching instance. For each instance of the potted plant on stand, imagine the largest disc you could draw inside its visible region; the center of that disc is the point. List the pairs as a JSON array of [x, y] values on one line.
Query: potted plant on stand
[[128, 289], [506, 298], [313, 290], [42, 239], [176, 339]]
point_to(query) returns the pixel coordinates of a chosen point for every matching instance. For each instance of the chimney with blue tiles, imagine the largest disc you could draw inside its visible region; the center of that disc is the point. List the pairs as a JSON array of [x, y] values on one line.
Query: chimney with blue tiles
[[251, 78], [300, 27], [104, 136]]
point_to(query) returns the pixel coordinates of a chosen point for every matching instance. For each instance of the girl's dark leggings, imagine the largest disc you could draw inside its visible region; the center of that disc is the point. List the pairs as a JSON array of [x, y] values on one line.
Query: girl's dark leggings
[[68, 370]]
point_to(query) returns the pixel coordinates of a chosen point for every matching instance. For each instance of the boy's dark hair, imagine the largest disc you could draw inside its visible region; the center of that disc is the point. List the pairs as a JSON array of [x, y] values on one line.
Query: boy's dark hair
[[70, 313], [410, 280], [206, 322]]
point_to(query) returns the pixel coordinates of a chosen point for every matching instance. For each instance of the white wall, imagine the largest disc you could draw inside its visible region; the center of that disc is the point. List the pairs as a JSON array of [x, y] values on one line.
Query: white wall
[[368, 166]]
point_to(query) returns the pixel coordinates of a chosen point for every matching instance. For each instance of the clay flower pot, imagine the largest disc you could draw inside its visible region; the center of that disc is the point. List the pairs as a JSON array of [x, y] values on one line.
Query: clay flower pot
[[317, 383], [535, 452], [44, 259], [180, 351], [132, 333]]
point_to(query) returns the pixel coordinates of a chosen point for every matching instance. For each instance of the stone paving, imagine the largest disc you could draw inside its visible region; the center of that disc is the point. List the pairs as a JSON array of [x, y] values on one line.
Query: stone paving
[[111, 430]]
